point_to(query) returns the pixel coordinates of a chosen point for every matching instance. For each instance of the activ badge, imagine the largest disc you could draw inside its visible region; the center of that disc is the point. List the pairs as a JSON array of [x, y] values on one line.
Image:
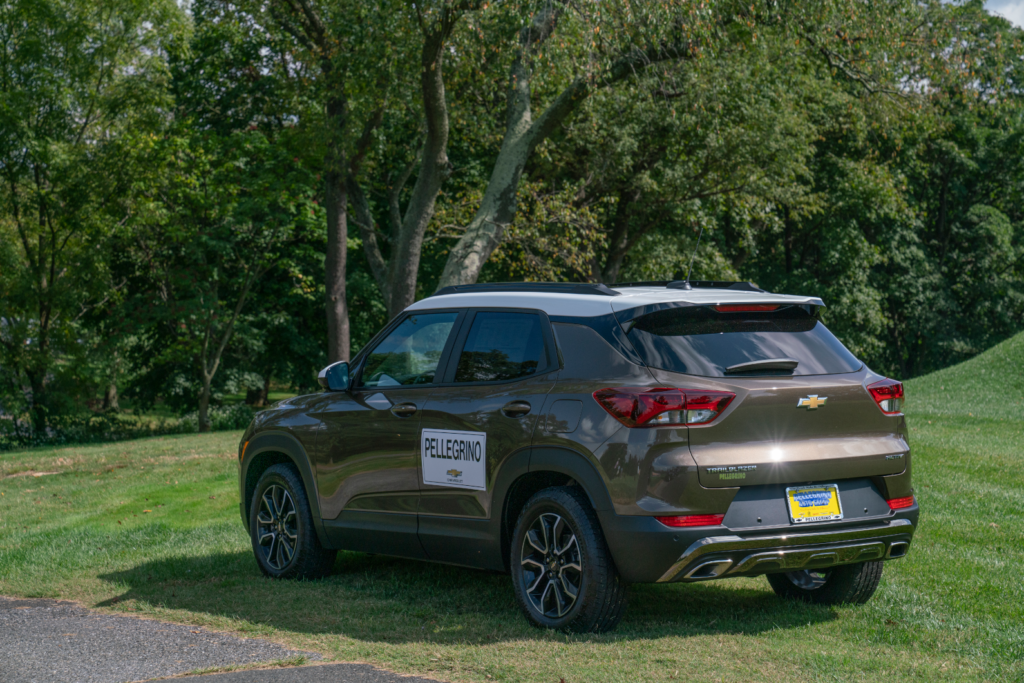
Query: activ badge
[[456, 459]]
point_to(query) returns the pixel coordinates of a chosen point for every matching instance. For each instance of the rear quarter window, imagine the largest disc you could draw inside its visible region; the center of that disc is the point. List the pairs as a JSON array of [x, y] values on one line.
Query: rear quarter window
[[700, 340]]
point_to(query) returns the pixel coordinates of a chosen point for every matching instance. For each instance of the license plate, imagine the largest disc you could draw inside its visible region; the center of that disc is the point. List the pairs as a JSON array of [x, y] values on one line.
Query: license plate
[[814, 503]]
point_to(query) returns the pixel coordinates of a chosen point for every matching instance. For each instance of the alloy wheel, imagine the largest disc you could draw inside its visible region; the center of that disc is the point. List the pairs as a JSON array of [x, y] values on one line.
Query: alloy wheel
[[277, 527], [808, 579], [552, 566]]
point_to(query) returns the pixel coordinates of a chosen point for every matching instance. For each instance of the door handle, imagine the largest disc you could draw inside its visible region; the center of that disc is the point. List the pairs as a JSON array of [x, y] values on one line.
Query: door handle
[[404, 409], [516, 409]]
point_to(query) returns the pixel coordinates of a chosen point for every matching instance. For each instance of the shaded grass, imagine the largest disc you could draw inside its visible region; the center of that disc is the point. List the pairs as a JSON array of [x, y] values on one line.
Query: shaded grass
[[951, 611]]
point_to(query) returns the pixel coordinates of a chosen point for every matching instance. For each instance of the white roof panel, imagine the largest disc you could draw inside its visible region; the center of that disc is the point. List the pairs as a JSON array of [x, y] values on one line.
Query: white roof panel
[[552, 303], [593, 305]]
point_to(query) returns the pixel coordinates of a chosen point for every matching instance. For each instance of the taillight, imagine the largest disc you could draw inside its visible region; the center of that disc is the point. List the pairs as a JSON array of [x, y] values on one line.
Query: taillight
[[746, 308], [691, 520], [899, 503], [661, 406], [888, 394]]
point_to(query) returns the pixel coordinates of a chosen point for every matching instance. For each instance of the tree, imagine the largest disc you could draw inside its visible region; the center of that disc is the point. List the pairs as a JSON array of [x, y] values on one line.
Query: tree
[[219, 216], [74, 78], [348, 53], [618, 42], [397, 275]]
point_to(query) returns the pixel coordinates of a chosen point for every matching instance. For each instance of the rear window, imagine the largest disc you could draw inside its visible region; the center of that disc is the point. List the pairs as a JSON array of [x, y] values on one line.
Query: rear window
[[700, 340]]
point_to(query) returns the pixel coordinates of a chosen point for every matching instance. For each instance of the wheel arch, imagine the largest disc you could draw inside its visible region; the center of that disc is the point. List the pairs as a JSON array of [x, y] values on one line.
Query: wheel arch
[[273, 448], [547, 467]]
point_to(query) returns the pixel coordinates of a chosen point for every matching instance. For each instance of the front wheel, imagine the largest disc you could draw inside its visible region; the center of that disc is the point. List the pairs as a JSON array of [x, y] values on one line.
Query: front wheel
[[281, 528], [562, 571], [848, 584]]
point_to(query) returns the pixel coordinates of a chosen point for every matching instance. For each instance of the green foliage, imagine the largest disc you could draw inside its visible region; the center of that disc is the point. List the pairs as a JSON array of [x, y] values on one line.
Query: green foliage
[[218, 214], [74, 78], [163, 220]]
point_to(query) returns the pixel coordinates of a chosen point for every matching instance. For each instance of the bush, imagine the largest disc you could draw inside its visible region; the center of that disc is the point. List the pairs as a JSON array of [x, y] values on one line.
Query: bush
[[237, 416], [107, 427]]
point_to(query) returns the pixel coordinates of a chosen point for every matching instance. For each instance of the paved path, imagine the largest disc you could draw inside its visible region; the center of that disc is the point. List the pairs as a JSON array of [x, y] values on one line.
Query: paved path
[[46, 641]]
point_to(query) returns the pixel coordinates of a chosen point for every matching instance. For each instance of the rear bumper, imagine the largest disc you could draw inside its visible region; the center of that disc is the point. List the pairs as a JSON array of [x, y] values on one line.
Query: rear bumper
[[714, 557]]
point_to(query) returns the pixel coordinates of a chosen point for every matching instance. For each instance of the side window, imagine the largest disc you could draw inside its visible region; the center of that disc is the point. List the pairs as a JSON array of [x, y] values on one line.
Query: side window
[[501, 346], [410, 354]]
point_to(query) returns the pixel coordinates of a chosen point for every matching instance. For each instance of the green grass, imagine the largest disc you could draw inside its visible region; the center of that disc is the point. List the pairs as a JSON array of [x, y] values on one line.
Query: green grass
[[952, 611], [989, 385]]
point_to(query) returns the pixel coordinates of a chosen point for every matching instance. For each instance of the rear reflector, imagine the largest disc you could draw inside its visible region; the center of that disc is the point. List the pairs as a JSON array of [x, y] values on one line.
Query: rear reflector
[[746, 308], [899, 503], [662, 406], [692, 520], [888, 394]]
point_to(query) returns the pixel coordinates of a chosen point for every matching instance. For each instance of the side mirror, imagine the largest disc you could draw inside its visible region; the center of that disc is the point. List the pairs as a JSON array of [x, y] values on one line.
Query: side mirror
[[334, 377]]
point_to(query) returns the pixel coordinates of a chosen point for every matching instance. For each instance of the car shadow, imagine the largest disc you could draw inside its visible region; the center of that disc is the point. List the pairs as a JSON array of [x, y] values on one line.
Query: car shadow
[[385, 599]]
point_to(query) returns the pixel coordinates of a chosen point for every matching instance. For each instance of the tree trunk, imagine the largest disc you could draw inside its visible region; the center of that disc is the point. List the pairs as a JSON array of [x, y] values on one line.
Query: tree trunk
[[787, 245], [618, 240], [209, 357], [335, 268], [336, 204], [404, 265], [110, 398], [257, 398], [37, 409], [204, 406], [398, 276]]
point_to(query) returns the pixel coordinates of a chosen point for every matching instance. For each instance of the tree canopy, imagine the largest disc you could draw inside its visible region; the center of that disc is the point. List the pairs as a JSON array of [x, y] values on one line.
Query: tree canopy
[[207, 199]]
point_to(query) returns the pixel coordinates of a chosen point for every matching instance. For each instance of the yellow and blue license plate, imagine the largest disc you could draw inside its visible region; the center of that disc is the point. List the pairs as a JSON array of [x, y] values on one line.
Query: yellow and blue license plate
[[814, 503]]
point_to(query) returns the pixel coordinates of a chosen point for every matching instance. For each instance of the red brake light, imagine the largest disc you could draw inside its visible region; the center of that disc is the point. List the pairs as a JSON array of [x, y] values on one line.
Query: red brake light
[[888, 394], [662, 406], [746, 308], [899, 503], [692, 520]]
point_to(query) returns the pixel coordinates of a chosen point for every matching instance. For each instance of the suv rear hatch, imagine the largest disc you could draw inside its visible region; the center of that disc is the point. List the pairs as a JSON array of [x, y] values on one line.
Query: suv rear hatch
[[802, 412]]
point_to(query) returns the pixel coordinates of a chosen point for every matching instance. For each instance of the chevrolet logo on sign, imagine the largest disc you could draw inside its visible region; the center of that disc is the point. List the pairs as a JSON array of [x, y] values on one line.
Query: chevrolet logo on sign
[[812, 402], [454, 473]]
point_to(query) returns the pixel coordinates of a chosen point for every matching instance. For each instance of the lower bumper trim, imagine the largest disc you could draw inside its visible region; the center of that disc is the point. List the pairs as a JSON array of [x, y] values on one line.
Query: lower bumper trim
[[719, 556]]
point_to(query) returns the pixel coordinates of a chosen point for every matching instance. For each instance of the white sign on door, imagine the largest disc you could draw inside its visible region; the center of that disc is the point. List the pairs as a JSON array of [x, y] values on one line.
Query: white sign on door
[[457, 459]]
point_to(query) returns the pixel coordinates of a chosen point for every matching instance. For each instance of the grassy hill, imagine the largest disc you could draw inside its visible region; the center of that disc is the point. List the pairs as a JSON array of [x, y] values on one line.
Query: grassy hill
[[990, 385]]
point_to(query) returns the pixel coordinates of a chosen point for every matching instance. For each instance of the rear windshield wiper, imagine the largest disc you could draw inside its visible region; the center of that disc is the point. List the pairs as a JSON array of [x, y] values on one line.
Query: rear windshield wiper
[[766, 364]]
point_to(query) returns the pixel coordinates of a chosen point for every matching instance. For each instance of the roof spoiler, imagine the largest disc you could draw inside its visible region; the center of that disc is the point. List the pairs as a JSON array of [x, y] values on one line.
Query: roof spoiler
[[695, 284]]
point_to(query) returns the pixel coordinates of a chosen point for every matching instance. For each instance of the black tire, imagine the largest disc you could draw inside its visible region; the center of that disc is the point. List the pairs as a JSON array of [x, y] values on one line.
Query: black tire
[[851, 584], [543, 586], [280, 516]]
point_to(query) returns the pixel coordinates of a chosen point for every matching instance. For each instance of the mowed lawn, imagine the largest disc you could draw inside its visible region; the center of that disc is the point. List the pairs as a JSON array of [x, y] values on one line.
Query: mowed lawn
[[151, 528]]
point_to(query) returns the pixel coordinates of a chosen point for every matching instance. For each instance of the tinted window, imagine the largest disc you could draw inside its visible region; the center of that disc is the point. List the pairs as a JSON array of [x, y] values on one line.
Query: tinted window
[[410, 354], [501, 346], [698, 340]]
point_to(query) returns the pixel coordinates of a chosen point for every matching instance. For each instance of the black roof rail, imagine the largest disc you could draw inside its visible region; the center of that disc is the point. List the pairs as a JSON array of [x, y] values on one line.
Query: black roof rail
[[554, 287], [694, 284]]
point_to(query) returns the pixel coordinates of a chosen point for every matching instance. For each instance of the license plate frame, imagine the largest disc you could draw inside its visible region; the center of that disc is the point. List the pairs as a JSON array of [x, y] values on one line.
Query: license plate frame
[[801, 512]]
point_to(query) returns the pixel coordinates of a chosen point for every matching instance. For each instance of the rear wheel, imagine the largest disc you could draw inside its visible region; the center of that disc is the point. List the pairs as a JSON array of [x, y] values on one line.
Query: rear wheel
[[563, 574], [848, 584], [281, 528]]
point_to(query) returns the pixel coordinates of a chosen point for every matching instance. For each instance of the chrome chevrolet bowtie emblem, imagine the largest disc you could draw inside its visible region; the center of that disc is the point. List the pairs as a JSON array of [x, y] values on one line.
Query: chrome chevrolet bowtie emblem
[[812, 402]]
